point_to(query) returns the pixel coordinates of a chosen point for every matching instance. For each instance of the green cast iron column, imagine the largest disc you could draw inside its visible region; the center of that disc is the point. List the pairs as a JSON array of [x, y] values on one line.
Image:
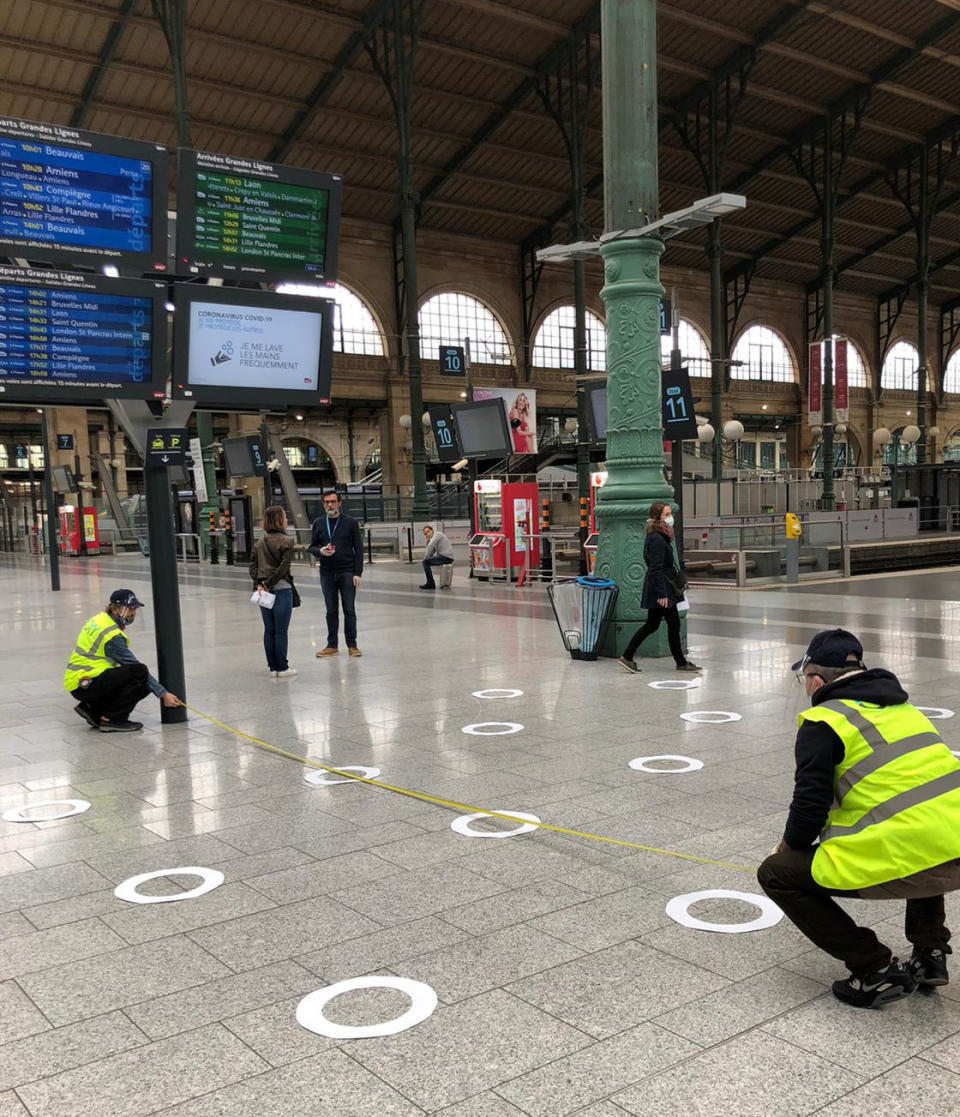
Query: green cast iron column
[[631, 295]]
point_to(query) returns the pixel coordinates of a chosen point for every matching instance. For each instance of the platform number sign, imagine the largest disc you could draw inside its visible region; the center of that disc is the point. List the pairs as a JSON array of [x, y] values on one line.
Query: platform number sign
[[445, 434], [64, 441], [679, 420], [452, 361], [666, 316]]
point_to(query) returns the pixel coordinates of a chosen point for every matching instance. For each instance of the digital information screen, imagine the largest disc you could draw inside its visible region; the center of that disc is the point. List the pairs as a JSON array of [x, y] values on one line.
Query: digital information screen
[[241, 348], [482, 428], [80, 338], [247, 220], [597, 411], [78, 197]]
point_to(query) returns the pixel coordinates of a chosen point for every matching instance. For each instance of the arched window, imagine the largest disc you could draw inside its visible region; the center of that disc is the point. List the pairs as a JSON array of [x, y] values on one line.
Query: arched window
[[900, 367], [693, 346], [447, 318], [763, 355], [904, 452], [355, 330], [553, 345], [951, 374], [856, 369]]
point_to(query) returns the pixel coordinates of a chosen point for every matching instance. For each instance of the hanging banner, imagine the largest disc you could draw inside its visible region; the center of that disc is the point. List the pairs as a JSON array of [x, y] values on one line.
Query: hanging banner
[[521, 409], [815, 386], [841, 391], [199, 477]]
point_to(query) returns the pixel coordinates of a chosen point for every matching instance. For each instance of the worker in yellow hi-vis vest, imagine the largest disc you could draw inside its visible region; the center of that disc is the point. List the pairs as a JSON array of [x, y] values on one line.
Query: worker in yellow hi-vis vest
[[106, 677], [876, 815]]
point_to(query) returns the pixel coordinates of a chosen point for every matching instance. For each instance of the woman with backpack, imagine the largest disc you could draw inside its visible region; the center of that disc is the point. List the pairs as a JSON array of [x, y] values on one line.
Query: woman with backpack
[[663, 588], [270, 571]]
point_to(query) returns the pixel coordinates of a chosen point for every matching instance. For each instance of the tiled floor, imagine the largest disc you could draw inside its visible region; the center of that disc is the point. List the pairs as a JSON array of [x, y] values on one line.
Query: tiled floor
[[563, 986]]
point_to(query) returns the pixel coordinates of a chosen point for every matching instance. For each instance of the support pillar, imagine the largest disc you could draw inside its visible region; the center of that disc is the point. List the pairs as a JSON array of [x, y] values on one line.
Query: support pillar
[[718, 364]]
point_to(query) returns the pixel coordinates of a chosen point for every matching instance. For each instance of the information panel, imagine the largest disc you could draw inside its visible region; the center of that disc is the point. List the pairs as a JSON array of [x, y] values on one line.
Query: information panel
[[67, 337], [68, 196], [242, 219], [251, 348]]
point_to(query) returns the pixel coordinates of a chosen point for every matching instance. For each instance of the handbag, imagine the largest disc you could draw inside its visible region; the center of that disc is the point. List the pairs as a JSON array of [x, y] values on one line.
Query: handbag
[[295, 597]]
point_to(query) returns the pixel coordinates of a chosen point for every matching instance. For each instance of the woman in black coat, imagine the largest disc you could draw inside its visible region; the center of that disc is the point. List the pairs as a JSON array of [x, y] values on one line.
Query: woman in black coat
[[660, 595]]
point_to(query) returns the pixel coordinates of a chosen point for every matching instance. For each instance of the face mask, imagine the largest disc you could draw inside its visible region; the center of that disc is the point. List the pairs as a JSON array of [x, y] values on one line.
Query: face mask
[[668, 520]]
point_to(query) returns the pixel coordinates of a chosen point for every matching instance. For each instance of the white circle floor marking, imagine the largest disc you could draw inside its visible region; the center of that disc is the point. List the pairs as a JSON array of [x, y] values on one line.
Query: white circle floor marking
[[935, 713], [210, 879], [462, 825], [674, 684], [322, 779], [310, 1009], [710, 717], [641, 764], [497, 692], [74, 806], [770, 915], [481, 728]]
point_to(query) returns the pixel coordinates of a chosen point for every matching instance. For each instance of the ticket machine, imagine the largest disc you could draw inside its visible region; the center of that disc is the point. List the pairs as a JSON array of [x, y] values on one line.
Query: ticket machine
[[507, 539], [70, 528]]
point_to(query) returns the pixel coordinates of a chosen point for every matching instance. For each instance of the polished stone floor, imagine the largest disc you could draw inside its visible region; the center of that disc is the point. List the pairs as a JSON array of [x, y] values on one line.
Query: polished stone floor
[[563, 986]]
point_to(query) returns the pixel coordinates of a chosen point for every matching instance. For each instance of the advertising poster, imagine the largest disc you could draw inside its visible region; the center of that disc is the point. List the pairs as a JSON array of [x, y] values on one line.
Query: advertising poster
[[520, 405]]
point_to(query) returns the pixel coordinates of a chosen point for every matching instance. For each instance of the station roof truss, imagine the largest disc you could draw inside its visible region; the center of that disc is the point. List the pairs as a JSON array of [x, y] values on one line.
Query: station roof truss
[[292, 80]]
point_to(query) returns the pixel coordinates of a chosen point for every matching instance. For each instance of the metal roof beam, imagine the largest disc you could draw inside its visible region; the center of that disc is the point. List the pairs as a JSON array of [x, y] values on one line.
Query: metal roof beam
[[102, 64], [935, 266]]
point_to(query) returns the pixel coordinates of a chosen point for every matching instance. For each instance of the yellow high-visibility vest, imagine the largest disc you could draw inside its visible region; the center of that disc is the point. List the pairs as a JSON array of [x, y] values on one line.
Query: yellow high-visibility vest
[[896, 807], [88, 658]]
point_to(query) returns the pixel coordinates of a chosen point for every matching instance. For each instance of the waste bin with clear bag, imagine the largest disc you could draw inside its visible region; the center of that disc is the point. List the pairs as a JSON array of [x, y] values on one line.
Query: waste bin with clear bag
[[583, 607]]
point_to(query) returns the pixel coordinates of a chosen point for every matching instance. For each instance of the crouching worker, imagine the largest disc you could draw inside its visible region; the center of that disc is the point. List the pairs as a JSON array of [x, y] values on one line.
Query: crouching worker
[[106, 677], [881, 791]]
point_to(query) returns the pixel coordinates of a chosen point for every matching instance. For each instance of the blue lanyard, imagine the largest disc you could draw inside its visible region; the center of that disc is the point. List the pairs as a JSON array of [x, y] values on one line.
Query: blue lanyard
[[336, 524]]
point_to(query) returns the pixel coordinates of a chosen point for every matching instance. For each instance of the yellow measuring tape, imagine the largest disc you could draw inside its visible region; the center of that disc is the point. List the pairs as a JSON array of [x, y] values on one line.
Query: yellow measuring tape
[[464, 808]]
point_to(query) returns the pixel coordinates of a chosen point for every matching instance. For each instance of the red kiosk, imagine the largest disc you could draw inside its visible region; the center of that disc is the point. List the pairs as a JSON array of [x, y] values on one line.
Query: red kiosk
[[507, 540], [70, 528]]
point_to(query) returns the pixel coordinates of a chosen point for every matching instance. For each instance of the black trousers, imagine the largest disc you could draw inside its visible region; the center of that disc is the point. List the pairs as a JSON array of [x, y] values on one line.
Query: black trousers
[[787, 879], [114, 692], [654, 616]]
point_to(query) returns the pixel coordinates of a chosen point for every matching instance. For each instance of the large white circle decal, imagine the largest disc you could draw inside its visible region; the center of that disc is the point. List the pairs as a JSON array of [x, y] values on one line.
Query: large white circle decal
[[770, 915], [497, 692], [66, 808], [483, 728], [642, 764], [710, 717], [462, 825], [935, 713], [323, 779], [674, 684], [210, 879], [310, 1009]]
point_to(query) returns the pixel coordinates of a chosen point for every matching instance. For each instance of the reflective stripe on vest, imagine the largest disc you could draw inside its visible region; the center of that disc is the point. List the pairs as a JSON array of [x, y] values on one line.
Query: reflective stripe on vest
[[896, 796], [88, 658]]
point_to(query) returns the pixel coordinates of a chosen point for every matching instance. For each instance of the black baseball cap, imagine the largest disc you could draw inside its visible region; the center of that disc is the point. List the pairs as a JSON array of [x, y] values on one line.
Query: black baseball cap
[[127, 598], [832, 648]]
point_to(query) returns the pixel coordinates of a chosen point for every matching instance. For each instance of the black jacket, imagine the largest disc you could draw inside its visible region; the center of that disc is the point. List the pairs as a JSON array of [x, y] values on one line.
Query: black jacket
[[346, 537], [661, 563], [819, 750]]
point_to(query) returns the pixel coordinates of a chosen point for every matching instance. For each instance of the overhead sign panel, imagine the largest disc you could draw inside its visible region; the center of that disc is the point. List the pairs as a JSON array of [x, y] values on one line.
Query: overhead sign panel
[[679, 420], [78, 338], [165, 446], [75, 197], [243, 219]]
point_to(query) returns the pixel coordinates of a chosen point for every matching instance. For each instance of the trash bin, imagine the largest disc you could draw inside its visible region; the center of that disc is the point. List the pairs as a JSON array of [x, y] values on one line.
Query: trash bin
[[582, 606]]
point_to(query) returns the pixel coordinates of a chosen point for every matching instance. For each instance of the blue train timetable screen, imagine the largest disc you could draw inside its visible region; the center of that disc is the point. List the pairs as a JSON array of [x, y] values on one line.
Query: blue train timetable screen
[[58, 195], [74, 339]]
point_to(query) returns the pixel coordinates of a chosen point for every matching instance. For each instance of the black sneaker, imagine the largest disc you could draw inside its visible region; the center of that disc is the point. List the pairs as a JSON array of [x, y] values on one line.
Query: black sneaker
[[426, 587], [876, 989], [929, 966], [628, 665], [88, 716], [688, 666], [120, 726]]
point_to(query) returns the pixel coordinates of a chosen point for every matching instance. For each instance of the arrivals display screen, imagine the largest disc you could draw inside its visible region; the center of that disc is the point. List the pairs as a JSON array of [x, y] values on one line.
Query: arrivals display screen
[[242, 219], [251, 348], [75, 197], [482, 428], [76, 338], [597, 412]]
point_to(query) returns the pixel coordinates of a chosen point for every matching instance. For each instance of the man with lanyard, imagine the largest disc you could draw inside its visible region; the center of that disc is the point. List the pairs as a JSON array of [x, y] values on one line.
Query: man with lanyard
[[336, 541], [879, 788], [106, 677]]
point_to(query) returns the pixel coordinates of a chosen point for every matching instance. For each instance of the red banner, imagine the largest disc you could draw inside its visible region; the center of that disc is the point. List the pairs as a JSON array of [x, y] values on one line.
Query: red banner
[[840, 390], [815, 385]]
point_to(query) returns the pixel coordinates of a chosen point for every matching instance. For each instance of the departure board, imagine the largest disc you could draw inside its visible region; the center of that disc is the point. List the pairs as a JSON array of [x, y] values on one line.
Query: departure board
[[242, 219], [81, 197], [68, 337]]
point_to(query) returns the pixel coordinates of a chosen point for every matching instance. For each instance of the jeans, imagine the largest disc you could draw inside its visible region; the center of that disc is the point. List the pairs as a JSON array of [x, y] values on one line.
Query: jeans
[[434, 560], [114, 692], [654, 616], [338, 586], [787, 879], [276, 623]]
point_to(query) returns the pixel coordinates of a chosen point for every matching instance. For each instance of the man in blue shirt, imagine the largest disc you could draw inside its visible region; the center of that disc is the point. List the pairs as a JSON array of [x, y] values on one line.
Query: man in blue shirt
[[336, 541]]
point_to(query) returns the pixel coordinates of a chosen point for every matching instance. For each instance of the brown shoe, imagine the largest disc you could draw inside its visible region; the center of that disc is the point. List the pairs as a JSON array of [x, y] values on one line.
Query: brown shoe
[[355, 651], [324, 652]]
